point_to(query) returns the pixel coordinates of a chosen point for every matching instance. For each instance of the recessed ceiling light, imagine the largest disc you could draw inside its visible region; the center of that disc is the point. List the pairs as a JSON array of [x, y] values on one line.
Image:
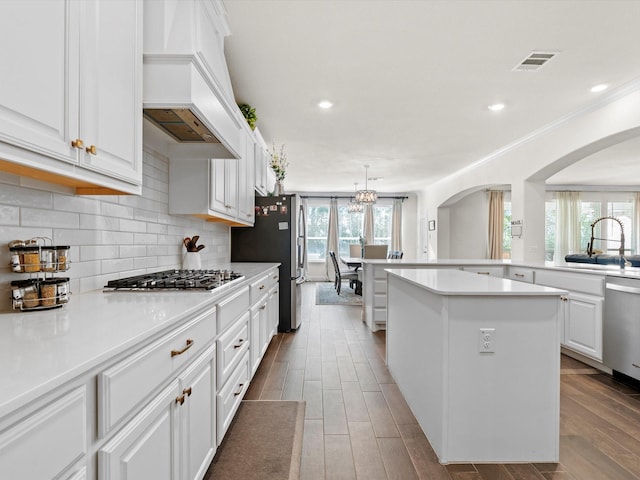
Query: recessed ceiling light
[[599, 88], [325, 104], [496, 107]]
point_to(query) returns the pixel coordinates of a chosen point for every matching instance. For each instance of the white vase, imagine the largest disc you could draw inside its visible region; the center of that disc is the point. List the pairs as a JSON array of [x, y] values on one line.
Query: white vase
[[191, 261], [278, 188]]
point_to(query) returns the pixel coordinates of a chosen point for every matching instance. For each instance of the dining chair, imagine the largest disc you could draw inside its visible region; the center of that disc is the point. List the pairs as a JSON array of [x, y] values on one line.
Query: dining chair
[[342, 274], [395, 255], [375, 251]]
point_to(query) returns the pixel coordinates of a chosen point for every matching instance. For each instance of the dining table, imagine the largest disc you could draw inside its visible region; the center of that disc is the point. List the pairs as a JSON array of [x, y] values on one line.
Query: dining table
[[352, 262]]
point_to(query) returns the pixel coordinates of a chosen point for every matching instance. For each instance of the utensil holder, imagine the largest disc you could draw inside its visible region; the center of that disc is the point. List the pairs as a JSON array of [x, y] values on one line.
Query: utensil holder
[[191, 261]]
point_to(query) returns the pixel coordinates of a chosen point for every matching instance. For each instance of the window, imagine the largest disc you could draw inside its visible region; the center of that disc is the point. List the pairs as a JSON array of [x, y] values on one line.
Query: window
[[349, 227], [506, 231], [593, 206]]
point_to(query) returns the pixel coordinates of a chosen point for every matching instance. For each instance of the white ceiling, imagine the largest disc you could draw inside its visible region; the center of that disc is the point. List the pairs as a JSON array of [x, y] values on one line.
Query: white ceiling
[[411, 81]]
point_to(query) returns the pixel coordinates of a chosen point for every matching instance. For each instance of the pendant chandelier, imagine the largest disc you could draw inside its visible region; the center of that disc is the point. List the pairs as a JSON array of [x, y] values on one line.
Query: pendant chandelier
[[355, 207], [366, 196]]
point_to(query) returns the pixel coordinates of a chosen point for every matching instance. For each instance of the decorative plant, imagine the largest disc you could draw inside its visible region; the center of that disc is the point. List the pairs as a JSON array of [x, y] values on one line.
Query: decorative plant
[[279, 163], [249, 114]]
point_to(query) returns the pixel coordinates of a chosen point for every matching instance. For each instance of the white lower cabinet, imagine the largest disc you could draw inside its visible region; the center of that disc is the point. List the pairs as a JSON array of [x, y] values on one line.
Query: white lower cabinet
[[146, 446], [230, 395], [49, 442], [173, 436], [583, 324]]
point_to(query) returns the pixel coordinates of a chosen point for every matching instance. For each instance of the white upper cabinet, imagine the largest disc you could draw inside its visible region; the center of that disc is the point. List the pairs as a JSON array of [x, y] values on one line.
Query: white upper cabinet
[[70, 94], [111, 89], [261, 155]]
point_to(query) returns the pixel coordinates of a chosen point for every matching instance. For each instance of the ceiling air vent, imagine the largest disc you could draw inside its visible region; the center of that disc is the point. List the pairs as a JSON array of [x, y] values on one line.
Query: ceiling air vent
[[535, 61]]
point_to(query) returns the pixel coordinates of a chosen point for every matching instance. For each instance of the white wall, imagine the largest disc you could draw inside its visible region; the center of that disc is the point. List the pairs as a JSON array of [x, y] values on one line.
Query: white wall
[[525, 164], [110, 236], [468, 226]]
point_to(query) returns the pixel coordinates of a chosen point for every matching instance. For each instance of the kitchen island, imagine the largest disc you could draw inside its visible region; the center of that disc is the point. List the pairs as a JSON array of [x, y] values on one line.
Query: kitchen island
[[477, 359]]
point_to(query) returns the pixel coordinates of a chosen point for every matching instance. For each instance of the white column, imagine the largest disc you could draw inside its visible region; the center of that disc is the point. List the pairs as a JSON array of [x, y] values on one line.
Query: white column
[[527, 205]]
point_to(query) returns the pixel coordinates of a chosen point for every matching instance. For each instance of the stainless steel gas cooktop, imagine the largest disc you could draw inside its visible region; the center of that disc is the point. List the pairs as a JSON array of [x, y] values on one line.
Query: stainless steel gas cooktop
[[176, 280]]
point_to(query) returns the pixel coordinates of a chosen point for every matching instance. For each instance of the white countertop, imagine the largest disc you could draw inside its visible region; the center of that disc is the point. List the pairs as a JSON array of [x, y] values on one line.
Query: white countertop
[[610, 270], [457, 282], [41, 350]]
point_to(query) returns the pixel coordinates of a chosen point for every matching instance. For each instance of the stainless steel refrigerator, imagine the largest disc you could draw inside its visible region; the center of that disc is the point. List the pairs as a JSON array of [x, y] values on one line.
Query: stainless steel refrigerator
[[278, 235]]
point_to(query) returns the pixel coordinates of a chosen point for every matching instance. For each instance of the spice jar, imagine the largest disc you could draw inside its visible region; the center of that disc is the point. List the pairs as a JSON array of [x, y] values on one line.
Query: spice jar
[[48, 259], [31, 259], [62, 256], [62, 290], [31, 296], [18, 290], [48, 292]]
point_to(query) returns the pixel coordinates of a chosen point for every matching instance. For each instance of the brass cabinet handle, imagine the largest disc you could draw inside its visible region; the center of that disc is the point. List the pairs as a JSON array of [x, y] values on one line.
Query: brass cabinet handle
[[637, 366], [275, 277], [187, 392], [261, 287], [263, 307], [235, 394], [92, 150], [239, 343], [483, 273], [180, 352], [77, 143], [180, 399]]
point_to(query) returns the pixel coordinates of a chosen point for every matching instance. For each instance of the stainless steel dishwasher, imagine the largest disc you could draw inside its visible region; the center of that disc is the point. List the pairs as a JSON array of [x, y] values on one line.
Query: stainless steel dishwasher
[[621, 326]]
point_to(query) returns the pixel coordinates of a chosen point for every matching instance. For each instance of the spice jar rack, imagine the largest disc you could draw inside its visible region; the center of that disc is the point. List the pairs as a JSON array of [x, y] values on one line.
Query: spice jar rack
[[41, 290]]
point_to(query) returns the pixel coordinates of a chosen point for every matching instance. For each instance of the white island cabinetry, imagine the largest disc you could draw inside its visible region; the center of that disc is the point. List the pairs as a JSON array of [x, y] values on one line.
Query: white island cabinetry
[[460, 348], [70, 105]]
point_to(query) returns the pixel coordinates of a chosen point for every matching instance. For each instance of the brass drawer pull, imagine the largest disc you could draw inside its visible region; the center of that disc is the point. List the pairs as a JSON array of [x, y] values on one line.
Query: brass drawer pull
[[518, 274], [239, 343], [187, 392], [235, 394], [483, 273], [180, 399], [263, 307], [92, 150], [180, 352], [77, 143], [261, 287]]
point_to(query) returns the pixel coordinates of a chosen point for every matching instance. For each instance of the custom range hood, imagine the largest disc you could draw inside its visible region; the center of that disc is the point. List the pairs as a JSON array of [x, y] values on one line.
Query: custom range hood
[[182, 99]]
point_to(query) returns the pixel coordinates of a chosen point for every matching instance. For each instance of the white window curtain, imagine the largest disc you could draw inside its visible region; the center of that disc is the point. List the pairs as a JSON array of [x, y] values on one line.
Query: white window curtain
[[332, 238], [367, 227], [567, 225], [396, 225], [636, 221], [496, 223]]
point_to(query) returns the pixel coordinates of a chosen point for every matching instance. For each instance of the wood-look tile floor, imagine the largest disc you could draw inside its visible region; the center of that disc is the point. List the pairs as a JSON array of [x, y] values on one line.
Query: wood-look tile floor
[[358, 425]]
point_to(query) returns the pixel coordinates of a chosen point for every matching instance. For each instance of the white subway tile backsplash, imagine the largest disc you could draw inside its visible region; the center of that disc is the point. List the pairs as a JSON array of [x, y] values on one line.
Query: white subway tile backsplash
[[110, 236], [98, 252], [69, 203], [116, 210], [48, 218], [99, 222], [9, 215], [16, 195], [132, 226], [133, 251], [116, 265]]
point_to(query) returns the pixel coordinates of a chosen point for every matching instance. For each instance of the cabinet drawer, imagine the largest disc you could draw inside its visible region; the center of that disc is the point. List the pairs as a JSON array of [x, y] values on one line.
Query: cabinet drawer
[[521, 275], [380, 300], [491, 271], [232, 307], [380, 286], [47, 442], [273, 279], [574, 282], [129, 382], [231, 346], [230, 396], [259, 289], [380, 315]]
